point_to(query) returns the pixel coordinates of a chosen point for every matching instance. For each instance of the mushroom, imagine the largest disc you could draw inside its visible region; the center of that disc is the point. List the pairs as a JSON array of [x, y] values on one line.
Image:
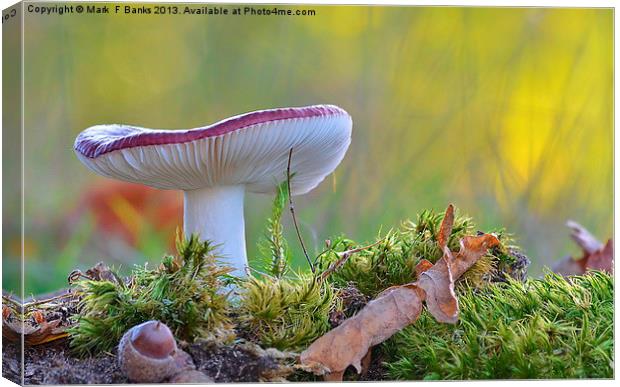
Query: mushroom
[[148, 353], [215, 165]]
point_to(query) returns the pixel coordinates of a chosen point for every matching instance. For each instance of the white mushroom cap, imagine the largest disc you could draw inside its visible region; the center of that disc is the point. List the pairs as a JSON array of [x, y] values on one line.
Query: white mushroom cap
[[215, 165], [250, 149]]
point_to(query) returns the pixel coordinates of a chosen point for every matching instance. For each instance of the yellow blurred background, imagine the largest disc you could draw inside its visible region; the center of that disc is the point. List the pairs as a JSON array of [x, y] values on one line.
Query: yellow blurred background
[[505, 112]]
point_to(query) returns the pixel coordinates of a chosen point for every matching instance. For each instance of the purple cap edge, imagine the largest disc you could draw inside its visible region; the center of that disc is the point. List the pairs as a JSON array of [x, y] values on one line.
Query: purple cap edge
[[93, 145]]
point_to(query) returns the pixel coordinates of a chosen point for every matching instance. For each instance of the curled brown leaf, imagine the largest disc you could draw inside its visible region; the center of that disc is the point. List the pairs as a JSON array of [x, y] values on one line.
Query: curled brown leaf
[[349, 343], [445, 230], [37, 321], [596, 256], [422, 266], [438, 284], [588, 242], [392, 310], [43, 333]]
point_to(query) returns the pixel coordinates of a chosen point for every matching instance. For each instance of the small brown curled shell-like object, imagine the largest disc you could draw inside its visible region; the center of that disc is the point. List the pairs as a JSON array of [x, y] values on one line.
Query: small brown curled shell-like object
[[148, 353]]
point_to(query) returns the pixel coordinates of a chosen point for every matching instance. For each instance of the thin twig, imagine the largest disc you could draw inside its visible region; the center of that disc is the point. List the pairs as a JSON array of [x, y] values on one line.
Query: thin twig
[[9, 300], [75, 275], [38, 302], [343, 257], [292, 208]]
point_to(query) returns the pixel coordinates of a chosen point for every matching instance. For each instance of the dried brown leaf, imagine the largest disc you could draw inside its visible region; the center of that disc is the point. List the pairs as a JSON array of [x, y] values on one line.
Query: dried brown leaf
[[46, 332], [101, 272], [445, 230], [596, 256], [392, 310], [588, 243], [348, 344], [422, 266], [569, 266], [6, 312], [438, 284], [43, 333], [30, 320], [38, 316], [471, 250], [438, 281], [602, 259]]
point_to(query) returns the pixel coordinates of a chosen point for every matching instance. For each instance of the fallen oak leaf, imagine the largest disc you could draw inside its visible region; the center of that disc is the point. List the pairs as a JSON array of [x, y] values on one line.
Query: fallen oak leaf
[[596, 256], [438, 285], [588, 242], [422, 266], [351, 342], [438, 281], [442, 240], [569, 266], [37, 330], [472, 248], [445, 230], [38, 317], [602, 259], [101, 272], [43, 333], [6, 312]]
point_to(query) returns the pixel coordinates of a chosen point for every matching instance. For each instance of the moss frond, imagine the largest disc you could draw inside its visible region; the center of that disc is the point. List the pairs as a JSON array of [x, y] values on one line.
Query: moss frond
[[547, 328], [285, 313], [185, 292], [393, 260], [273, 247]]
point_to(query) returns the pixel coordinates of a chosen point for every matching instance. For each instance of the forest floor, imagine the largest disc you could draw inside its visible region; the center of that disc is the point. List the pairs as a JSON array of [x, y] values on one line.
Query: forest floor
[[53, 363]]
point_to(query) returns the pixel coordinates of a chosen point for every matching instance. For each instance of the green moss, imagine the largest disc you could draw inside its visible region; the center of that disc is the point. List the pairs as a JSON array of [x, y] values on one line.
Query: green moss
[[508, 328], [285, 313], [185, 292], [548, 328], [278, 308], [393, 260], [273, 247]]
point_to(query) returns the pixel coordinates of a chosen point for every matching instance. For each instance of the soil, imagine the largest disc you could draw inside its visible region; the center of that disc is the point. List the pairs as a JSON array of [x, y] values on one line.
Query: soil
[[53, 363], [228, 364], [242, 361]]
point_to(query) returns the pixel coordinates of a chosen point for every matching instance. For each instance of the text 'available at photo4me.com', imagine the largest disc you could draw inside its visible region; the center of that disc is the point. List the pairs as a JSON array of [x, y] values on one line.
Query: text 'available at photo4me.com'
[[167, 9]]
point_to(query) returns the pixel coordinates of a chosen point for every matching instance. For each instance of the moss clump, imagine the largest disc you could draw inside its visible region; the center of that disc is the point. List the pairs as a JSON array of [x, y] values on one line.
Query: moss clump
[[393, 260], [548, 328], [273, 247], [285, 313], [278, 308], [185, 292]]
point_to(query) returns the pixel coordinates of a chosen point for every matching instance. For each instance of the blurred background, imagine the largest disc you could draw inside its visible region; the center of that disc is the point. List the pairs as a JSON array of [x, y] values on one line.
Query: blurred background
[[507, 113]]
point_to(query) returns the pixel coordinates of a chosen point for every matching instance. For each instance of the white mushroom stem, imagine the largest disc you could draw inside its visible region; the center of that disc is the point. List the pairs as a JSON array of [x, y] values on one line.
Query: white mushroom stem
[[216, 214]]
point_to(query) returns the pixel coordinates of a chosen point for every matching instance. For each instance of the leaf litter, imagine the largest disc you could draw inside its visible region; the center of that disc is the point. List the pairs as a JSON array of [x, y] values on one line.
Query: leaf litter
[[397, 307]]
